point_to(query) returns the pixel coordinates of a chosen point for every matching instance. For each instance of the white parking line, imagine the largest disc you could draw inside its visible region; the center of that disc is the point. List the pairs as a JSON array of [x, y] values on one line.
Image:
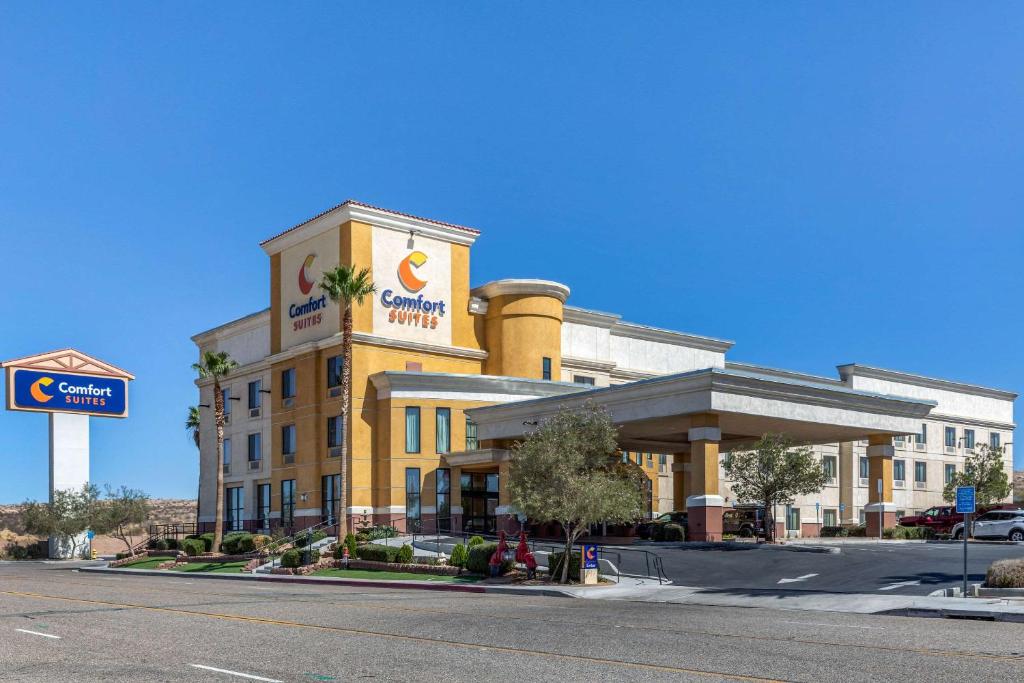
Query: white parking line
[[799, 578], [809, 623], [37, 633], [236, 673], [900, 584]]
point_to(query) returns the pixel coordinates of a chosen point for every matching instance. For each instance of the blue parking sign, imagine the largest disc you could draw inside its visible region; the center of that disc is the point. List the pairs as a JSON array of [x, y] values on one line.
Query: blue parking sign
[[590, 556], [965, 499]]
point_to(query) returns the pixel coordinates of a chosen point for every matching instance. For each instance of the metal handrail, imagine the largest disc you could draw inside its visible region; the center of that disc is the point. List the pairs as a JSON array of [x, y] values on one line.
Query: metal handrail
[[274, 548]]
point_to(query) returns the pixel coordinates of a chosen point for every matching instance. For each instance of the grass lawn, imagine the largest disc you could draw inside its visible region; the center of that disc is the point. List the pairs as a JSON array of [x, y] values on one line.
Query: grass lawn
[[147, 563], [215, 567], [393, 576]]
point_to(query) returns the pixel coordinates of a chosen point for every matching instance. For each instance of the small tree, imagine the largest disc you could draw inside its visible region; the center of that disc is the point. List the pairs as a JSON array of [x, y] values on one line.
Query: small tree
[[774, 471], [192, 424], [986, 472], [66, 517], [568, 470], [123, 513]]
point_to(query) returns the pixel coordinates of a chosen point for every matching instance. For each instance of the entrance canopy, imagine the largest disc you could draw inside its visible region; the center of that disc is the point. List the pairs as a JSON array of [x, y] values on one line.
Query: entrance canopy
[[656, 415]]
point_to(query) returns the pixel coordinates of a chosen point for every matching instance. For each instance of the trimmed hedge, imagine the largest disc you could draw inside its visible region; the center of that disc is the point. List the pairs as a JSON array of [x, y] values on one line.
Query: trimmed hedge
[[291, 558], [193, 546], [376, 552], [459, 556], [206, 538], [1005, 574], [834, 532], [909, 532], [674, 532], [475, 540], [237, 543], [479, 557], [859, 531], [405, 554], [555, 566], [163, 544]]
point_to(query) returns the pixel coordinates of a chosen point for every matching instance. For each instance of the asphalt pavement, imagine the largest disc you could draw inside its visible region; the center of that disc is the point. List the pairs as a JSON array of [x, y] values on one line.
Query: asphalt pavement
[[60, 624]]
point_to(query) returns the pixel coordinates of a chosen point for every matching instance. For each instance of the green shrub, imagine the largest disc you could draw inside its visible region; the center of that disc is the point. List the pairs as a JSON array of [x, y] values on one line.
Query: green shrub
[[459, 555], [475, 540], [291, 558], [311, 557], [375, 552], [260, 541], [375, 533], [909, 532], [479, 557], [362, 537], [1005, 574], [351, 544], [16, 552], [673, 532], [834, 531], [859, 531], [207, 540], [555, 565], [193, 546], [237, 542], [404, 554]]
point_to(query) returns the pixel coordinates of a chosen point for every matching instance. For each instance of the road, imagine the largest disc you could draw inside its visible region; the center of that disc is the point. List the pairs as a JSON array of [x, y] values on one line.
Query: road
[[913, 568], [58, 624]]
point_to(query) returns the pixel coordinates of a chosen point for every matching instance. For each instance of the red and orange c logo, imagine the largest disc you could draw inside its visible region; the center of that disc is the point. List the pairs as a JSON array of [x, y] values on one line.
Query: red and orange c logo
[[305, 284], [37, 389], [405, 275]]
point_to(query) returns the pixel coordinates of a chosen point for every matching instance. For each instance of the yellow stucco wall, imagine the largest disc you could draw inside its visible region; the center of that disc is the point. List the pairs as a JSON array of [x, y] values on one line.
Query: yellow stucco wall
[[520, 330]]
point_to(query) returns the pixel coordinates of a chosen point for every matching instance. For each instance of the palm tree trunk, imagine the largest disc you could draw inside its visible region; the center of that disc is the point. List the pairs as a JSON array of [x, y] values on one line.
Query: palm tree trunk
[[218, 416], [346, 390]]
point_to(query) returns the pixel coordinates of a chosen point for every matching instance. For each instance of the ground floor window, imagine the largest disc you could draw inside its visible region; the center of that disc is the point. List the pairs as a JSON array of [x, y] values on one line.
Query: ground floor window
[[950, 470], [829, 518], [792, 518], [330, 494], [864, 468], [863, 517], [235, 497], [479, 491], [288, 503], [444, 501], [413, 511], [263, 505]]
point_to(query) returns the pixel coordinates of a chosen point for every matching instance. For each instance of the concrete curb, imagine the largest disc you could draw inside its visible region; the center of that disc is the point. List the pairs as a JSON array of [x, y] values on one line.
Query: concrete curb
[[332, 581], [739, 545]]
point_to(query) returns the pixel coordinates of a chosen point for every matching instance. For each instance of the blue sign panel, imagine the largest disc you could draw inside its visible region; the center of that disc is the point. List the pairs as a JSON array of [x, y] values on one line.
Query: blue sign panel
[[590, 556], [965, 499], [58, 392]]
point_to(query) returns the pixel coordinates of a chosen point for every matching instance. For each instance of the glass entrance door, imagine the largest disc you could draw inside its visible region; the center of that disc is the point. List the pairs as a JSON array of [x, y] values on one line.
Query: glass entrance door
[[479, 501]]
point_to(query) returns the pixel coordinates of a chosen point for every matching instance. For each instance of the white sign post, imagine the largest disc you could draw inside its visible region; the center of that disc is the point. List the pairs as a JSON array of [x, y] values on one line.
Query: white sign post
[[881, 507]]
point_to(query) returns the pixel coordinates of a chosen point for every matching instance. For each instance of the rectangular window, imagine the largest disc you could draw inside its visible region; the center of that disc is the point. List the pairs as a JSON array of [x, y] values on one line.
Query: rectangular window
[[828, 464], [662, 459], [829, 518], [993, 439], [288, 383], [639, 458], [792, 518], [899, 470], [545, 368], [413, 512], [949, 471], [650, 459], [950, 437], [235, 502], [863, 468], [263, 505], [255, 397], [288, 503], [334, 431], [863, 517], [625, 456], [583, 379], [255, 447], [471, 441], [334, 365], [227, 453], [443, 431], [444, 501], [412, 429], [225, 396], [922, 436], [920, 472], [330, 494], [288, 440], [968, 439]]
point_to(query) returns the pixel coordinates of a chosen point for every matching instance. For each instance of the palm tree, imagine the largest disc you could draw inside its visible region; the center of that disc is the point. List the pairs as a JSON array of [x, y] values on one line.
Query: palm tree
[[344, 284], [192, 428], [217, 365]]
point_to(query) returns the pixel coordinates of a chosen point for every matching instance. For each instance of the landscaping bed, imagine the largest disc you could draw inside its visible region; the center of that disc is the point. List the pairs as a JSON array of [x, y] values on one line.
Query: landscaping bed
[[394, 575]]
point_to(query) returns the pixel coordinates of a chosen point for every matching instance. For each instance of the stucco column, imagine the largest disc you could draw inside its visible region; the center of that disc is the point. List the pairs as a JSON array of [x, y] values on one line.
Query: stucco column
[[704, 505], [880, 452], [680, 466]]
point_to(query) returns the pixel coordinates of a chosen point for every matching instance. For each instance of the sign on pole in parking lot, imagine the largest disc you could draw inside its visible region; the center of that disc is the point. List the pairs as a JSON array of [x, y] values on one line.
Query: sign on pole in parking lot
[[965, 499], [588, 560]]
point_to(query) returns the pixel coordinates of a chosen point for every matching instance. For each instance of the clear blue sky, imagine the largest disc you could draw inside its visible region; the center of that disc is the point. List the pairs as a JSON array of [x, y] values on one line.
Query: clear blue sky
[[823, 183]]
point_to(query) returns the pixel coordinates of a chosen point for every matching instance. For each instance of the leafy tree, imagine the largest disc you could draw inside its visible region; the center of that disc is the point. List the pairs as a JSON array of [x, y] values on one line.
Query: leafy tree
[[123, 513], [192, 429], [344, 285], [986, 472], [774, 471], [569, 470], [66, 517], [217, 365]]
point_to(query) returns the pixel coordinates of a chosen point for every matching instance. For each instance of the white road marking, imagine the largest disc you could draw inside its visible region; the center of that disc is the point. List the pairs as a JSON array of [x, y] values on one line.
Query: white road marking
[[799, 578], [809, 623], [236, 673], [37, 633], [901, 584]]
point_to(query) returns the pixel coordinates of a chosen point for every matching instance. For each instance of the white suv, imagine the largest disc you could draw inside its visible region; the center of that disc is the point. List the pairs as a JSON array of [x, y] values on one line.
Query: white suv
[[1008, 524]]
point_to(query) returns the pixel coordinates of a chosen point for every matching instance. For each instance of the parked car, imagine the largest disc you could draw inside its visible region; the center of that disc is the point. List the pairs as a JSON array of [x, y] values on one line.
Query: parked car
[[1008, 524], [744, 521], [644, 529], [943, 518]]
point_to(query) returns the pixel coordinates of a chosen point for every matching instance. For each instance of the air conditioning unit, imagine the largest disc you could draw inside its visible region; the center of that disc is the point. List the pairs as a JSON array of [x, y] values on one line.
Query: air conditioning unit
[[289, 458], [831, 481], [287, 402], [950, 449], [334, 451], [254, 465], [920, 446], [863, 481], [899, 483], [334, 391], [227, 418], [968, 451], [254, 412], [920, 485], [227, 468]]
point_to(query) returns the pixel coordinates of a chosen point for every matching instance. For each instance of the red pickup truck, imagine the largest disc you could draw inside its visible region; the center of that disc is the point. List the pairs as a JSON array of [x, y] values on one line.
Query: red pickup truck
[[942, 518]]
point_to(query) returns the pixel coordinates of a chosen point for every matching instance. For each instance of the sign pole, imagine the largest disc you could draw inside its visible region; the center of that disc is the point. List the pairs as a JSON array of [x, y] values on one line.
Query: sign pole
[[881, 507], [965, 505], [967, 524]]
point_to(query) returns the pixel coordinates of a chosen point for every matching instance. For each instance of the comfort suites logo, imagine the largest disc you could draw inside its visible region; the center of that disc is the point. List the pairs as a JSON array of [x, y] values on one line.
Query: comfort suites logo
[[305, 284], [311, 311], [36, 389], [405, 274], [407, 310]]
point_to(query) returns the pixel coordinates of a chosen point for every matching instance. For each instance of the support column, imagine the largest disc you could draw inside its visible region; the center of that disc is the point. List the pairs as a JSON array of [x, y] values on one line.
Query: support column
[[880, 452], [704, 505], [69, 466], [680, 467]]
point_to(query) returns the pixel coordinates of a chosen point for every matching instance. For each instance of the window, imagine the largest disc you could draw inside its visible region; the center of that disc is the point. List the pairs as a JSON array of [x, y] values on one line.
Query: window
[[255, 447], [443, 432], [922, 436], [583, 379], [288, 383], [920, 472], [993, 439], [235, 497], [412, 499], [227, 454], [949, 471], [862, 517], [545, 365], [863, 468], [288, 440], [444, 501], [639, 458], [899, 470], [650, 459], [263, 505], [828, 464], [412, 429], [330, 494], [334, 366], [792, 518], [625, 456], [969, 439], [471, 442], [829, 518], [662, 460], [288, 503], [255, 398], [950, 437], [334, 431], [225, 396]]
